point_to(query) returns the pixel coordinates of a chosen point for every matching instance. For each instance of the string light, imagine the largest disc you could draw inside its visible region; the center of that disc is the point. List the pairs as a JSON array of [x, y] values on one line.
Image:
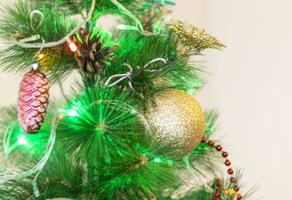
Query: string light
[[157, 160], [72, 113], [72, 47], [40, 56], [22, 140]]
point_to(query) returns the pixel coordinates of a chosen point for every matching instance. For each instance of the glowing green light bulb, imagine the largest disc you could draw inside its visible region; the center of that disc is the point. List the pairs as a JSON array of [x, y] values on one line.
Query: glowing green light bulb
[[157, 160], [72, 113], [22, 140]]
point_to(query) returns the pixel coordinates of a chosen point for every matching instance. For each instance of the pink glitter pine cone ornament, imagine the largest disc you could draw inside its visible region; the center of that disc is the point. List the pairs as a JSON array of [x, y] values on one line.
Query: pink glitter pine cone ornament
[[33, 101]]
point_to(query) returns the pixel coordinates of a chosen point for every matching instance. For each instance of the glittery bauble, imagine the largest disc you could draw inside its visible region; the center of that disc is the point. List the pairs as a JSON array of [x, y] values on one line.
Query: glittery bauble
[[33, 101], [177, 121]]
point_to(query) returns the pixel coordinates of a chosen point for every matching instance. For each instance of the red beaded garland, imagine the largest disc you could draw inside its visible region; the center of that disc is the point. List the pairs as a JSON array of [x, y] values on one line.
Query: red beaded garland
[[218, 182], [227, 163], [211, 143], [204, 139], [236, 188], [219, 148], [219, 189], [239, 197], [232, 180], [230, 171], [225, 154]]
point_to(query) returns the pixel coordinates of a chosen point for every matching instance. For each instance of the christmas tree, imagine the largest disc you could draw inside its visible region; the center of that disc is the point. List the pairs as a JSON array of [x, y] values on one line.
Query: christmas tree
[[130, 128]]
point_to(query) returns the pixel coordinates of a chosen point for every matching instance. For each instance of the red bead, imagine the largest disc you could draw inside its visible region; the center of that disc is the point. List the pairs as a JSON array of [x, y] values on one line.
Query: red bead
[[219, 148], [211, 143], [230, 171], [239, 197], [236, 188], [204, 139], [225, 154], [227, 163], [217, 194]]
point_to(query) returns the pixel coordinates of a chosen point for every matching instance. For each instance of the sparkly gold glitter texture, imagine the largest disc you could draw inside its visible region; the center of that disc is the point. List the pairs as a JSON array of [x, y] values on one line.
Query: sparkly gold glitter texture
[[193, 37], [230, 192], [48, 55], [177, 121]]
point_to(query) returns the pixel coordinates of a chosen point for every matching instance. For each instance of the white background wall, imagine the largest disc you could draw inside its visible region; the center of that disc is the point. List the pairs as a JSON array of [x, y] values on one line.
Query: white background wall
[[250, 84]]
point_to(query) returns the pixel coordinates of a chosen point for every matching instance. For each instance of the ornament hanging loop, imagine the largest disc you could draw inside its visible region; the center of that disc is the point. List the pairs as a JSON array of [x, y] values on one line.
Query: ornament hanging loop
[[32, 15], [35, 66]]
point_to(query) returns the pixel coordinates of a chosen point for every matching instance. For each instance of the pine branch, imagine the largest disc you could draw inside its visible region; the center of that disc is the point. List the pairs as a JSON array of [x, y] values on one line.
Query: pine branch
[[137, 51], [102, 149], [15, 24], [100, 140], [17, 190]]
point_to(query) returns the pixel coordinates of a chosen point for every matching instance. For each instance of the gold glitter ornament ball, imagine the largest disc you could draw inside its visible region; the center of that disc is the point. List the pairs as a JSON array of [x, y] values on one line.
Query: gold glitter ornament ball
[[177, 121]]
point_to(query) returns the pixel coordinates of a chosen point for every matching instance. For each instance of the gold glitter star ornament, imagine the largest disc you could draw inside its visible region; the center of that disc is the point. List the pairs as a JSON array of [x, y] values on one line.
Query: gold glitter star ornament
[[196, 39], [177, 122]]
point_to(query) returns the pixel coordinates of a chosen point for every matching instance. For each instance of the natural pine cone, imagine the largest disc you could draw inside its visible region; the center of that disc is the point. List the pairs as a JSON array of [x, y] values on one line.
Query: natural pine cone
[[91, 55], [33, 101]]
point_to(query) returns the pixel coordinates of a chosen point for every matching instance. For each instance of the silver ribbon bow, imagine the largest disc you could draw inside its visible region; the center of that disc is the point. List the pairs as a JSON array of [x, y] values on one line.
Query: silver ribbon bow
[[128, 75]]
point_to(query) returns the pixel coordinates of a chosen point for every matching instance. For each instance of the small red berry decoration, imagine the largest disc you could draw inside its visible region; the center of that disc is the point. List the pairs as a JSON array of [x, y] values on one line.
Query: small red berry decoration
[[33, 101]]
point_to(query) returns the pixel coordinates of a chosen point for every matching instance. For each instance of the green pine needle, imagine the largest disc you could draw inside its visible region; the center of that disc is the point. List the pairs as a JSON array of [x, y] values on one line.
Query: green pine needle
[[102, 150], [139, 182], [15, 25], [100, 126]]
